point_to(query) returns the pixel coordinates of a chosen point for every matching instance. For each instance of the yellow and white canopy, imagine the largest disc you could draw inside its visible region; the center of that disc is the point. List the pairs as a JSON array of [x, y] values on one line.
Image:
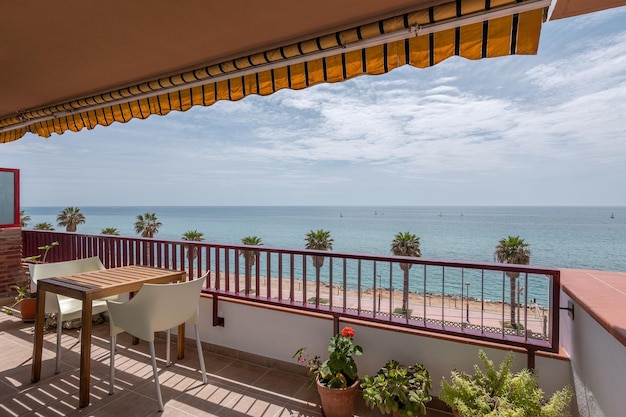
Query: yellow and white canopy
[[472, 29]]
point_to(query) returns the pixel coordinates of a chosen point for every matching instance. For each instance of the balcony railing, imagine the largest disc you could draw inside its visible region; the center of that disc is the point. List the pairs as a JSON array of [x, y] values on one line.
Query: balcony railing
[[511, 305]]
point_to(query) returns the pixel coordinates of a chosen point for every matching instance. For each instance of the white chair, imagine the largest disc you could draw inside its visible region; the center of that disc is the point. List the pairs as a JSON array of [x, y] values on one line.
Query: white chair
[[154, 308], [66, 308]]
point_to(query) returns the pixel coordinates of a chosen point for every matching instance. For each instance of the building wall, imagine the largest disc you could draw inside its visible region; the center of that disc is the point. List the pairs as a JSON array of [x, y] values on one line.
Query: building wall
[[598, 364], [10, 262]]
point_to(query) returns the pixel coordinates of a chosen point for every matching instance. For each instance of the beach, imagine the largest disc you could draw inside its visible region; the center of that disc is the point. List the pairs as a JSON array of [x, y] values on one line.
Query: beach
[[436, 309]]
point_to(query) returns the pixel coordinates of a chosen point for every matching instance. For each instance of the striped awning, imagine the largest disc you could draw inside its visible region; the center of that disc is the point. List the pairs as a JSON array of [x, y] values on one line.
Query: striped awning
[[473, 29]]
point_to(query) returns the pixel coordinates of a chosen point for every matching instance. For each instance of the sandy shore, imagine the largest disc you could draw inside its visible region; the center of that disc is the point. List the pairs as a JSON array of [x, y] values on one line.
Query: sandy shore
[[433, 307]]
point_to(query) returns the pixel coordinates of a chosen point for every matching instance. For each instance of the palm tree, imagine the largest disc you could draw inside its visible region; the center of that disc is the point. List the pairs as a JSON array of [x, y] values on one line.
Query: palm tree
[[318, 240], [24, 219], [249, 256], [147, 225], [406, 244], [512, 250], [110, 231], [43, 226], [193, 236], [70, 217]]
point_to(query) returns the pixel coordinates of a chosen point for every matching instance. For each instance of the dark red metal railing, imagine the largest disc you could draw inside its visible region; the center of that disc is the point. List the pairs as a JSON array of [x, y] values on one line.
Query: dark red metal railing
[[466, 299]]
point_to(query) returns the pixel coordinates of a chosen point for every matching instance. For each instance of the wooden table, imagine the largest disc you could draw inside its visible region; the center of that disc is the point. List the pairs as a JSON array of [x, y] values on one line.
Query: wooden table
[[89, 286]]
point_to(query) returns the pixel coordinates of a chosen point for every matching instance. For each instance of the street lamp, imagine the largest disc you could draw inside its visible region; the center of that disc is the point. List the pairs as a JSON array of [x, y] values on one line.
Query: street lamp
[[379, 291], [467, 302]]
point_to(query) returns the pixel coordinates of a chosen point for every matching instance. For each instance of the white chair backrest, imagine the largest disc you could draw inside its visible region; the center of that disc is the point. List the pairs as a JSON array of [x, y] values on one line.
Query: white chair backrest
[[158, 307], [57, 269]]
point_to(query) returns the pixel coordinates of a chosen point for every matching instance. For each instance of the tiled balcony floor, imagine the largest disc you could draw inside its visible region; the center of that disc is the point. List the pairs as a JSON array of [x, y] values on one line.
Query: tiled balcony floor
[[235, 388]]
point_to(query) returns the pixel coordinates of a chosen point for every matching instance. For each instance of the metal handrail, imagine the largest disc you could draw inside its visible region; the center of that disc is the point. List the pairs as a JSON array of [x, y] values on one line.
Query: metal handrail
[[362, 287]]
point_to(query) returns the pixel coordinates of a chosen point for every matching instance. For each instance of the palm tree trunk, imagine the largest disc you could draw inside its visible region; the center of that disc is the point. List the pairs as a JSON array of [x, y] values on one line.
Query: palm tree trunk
[[317, 284], [405, 292], [513, 300], [248, 273]]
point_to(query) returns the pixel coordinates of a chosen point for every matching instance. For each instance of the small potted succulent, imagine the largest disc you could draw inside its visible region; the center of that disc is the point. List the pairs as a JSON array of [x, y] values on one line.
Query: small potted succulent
[[500, 392], [397, 389]]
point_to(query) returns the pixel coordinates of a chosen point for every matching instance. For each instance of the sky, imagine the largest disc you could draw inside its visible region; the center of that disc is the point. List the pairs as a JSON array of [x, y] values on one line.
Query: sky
[[536, 130]]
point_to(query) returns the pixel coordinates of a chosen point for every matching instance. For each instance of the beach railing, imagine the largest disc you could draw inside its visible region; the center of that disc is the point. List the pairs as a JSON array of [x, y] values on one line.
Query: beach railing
[[513, 305]]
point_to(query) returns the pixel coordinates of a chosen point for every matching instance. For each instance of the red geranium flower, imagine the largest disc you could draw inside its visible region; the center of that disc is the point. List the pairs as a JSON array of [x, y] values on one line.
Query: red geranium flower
[[347, 332], [339, 370]]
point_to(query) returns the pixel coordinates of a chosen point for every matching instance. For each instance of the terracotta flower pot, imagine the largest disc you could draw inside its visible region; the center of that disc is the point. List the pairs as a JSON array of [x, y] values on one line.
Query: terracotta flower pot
[[337, 402], [27, 309]]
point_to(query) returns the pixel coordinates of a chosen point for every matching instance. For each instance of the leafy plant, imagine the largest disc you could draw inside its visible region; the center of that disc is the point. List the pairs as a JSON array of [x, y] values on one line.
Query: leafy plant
[[398, 388], [339, 370], [499, 392], [23, 290]]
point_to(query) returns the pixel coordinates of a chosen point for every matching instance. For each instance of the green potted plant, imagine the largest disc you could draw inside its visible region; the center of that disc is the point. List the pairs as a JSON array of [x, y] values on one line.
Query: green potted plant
[[500, 392], [25, 298], [337, 377], [397, 389]]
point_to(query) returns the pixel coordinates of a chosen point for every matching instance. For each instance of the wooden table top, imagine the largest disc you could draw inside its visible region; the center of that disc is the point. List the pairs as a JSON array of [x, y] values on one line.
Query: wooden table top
[[105, 282]]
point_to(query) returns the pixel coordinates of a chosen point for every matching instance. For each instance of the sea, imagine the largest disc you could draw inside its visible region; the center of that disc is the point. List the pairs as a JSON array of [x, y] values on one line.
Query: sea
[[559, 237]]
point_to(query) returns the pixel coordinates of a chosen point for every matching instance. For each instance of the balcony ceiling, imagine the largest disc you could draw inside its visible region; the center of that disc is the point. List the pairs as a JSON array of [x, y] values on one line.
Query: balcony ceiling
[[55, 52]]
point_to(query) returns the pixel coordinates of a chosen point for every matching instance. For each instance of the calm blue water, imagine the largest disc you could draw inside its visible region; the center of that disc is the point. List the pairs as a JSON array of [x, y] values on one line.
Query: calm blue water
[[560, 237]]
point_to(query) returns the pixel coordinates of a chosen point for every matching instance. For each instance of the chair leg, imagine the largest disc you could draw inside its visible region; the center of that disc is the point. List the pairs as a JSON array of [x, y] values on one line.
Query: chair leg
[[57, 367], [167, 347], [112, 364], [156, 376], [205, 380]]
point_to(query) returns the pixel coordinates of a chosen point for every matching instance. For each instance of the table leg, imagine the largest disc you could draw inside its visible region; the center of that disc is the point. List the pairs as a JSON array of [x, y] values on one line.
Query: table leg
[[180, 342], [85, 352], [40, 319]]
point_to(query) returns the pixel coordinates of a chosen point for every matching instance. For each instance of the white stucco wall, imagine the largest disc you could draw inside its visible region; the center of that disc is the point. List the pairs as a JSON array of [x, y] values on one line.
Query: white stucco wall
[[598, 364], [278, 335]]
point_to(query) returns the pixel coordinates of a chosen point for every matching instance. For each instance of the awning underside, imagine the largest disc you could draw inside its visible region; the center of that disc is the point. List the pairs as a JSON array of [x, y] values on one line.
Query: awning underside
[[426, 38]]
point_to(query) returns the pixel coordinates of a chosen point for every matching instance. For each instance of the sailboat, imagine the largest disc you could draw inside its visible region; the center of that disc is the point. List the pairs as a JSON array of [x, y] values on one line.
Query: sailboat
[[612, 216]]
